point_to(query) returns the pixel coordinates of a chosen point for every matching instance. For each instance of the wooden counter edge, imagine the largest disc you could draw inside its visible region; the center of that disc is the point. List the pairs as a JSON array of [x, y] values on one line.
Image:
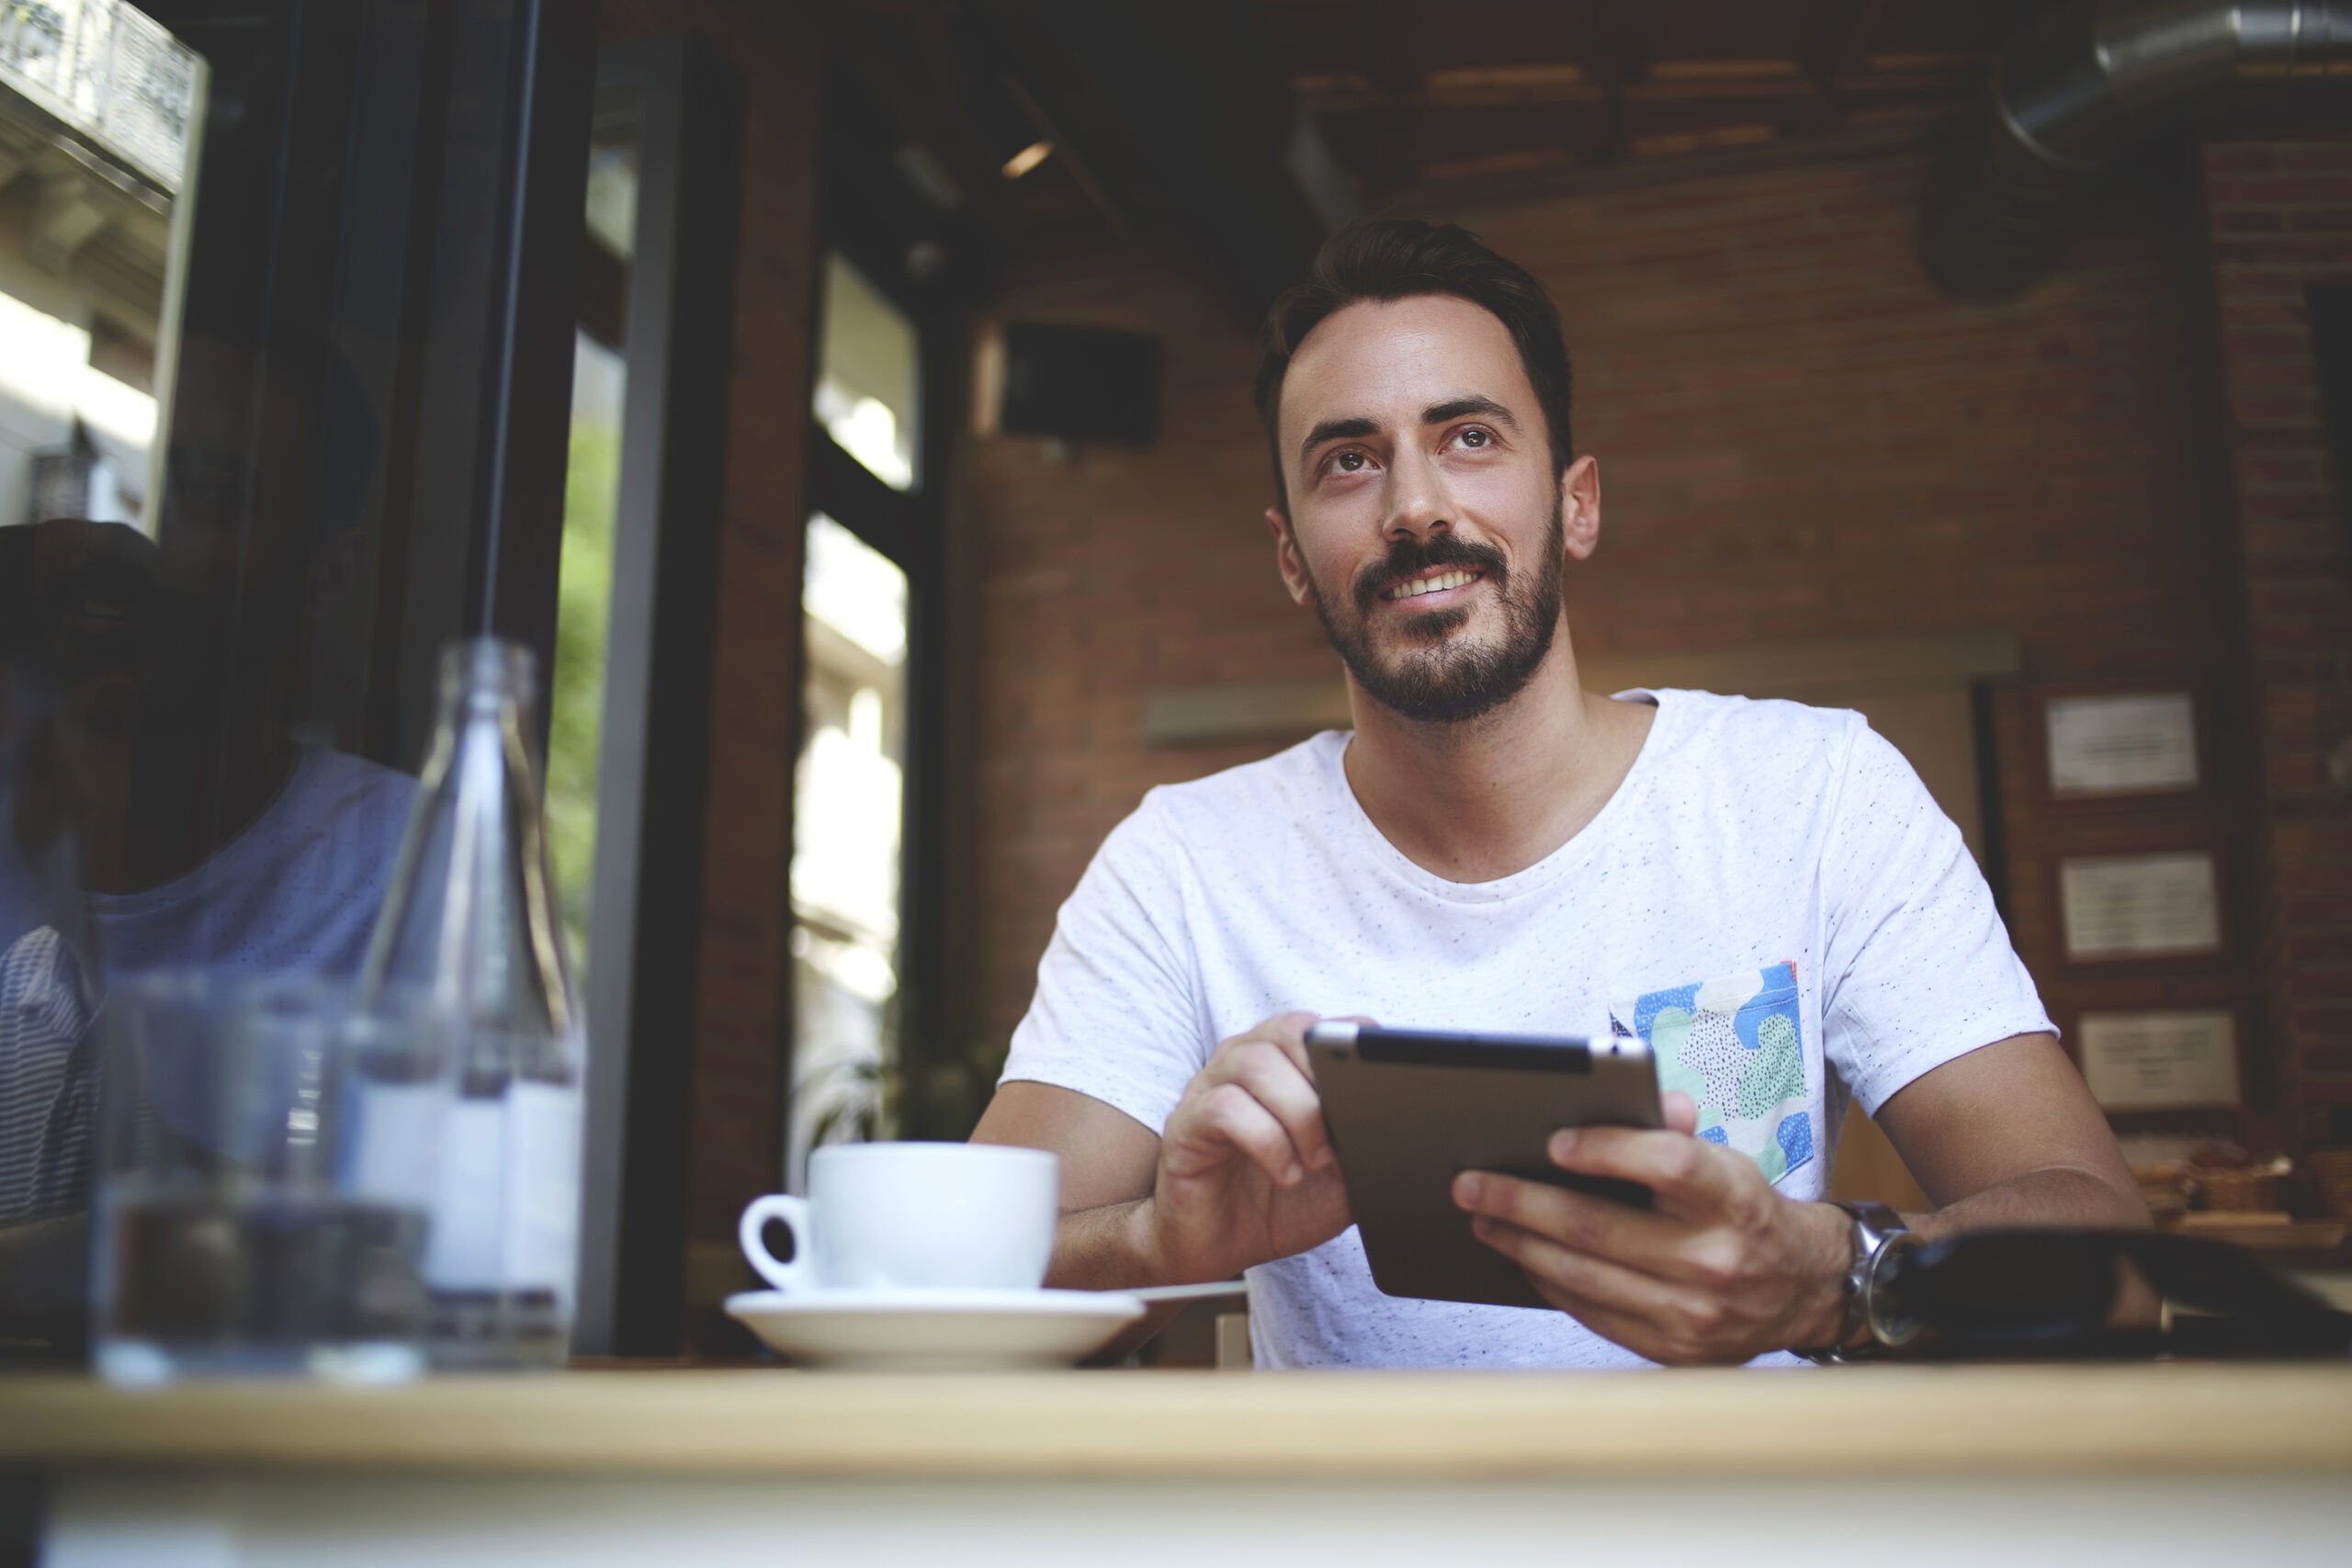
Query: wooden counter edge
[[1887, 1421]]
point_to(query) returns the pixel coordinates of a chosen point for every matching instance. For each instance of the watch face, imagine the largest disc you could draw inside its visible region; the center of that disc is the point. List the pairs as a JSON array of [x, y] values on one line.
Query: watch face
[[1889, 1325]]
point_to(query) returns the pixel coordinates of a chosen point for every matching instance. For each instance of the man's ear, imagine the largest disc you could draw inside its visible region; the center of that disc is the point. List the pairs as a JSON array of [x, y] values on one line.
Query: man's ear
[[1581, 508], [1286, 560]]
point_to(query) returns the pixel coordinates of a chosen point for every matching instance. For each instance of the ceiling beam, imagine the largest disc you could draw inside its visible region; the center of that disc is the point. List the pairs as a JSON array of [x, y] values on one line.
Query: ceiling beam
[[1836, 48], [1621, 60], [1396, 137], [1185, 118], [1840, 40]]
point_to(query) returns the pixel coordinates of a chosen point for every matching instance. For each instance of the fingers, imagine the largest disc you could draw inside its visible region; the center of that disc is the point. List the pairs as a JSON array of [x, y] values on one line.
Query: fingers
[[1228, 1115], [1256, 1095], [1583, 1222], [1287, 1032], [1681, 1112], [1689, 1177], [1653, 1317], [1280, 1085]]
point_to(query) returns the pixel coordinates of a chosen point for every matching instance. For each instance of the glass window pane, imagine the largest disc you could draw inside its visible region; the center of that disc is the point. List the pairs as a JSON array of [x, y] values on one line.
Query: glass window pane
[[848, 801], [590, 495], [95, 110], [867, 374], [583, 611]]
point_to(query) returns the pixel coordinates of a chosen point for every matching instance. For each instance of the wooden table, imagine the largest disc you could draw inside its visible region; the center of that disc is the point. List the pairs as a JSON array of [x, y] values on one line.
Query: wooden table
[[2140, 1465]]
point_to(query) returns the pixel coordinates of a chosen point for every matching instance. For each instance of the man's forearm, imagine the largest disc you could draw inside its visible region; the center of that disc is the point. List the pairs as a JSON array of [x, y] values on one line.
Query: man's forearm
[[2059, 1196], [1103, 1249]]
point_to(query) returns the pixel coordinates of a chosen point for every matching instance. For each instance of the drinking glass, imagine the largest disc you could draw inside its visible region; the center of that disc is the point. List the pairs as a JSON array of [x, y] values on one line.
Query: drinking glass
[[235, 1235]]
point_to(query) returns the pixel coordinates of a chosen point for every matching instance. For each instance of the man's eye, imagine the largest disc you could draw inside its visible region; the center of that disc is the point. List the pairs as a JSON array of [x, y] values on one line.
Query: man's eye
[[1349, 462], [1474, 438]]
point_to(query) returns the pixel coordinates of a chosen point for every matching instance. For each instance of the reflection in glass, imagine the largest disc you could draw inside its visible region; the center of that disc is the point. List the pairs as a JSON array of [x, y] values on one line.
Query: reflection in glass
[[96, 105], [612, 183], [96, 108], [867, 374], [848, 801]]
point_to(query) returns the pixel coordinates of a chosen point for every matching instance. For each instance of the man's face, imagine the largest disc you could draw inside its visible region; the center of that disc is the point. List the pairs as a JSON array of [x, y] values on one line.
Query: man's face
[[1426, 520]]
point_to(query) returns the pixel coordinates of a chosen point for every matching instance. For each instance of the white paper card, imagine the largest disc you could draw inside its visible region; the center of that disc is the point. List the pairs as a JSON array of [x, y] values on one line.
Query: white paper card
[[542, 1187], [462, 1248], [2151, 1061], [2133, 745], [2140, 905]]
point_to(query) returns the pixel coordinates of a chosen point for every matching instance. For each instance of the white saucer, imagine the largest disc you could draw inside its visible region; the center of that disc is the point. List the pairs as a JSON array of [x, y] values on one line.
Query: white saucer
[[936, 1330]]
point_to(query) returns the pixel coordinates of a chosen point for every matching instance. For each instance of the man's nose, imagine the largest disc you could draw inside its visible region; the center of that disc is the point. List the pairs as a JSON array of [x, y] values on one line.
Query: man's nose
[[1417, 502]]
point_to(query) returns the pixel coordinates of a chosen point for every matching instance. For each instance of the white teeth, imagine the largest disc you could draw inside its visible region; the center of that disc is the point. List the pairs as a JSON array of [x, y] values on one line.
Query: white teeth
[[1421, 585]]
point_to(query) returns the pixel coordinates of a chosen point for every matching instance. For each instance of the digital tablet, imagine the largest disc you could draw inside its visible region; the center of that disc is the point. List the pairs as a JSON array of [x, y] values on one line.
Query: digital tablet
[[1409, 1110]]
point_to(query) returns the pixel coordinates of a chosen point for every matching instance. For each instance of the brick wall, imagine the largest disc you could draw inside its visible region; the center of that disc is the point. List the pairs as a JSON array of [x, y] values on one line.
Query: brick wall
[[2281, 220], [1799, 438]]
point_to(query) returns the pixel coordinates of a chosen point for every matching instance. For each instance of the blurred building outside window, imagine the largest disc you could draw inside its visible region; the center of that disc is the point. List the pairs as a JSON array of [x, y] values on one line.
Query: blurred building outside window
[[97, 109], [869, 377], [849, 802], [111, 73]]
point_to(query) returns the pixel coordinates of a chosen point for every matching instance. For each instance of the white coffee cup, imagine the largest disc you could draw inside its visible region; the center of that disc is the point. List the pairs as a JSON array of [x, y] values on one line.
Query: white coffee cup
[[912, 1216]]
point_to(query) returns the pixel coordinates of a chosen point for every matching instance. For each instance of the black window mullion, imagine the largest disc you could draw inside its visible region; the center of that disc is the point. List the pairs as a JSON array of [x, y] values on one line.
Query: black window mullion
[[846, 491]]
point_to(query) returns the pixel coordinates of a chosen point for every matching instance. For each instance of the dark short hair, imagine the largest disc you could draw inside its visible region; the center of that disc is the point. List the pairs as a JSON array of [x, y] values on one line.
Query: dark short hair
[[1400, 258]]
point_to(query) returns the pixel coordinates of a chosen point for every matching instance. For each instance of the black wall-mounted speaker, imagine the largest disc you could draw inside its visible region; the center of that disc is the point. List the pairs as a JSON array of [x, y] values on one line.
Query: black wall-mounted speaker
[[1080, 383]]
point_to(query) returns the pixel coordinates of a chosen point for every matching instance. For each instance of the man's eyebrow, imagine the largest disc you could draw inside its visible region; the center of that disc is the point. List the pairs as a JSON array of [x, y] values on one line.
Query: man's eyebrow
[[1438, 413], [1336, 430]]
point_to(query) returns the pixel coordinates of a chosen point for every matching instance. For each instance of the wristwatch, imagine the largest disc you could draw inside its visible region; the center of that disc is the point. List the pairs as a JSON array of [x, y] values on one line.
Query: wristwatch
[[1872, 1324]]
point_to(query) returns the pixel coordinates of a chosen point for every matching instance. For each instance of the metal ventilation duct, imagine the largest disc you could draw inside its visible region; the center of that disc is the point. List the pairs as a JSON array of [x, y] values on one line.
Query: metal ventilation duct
[[2072, 94]]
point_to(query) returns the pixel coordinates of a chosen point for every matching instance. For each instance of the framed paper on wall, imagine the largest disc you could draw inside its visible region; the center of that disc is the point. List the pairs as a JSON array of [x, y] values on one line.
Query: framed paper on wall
[[2164, 904], [2121, 744], [2160, 1061]]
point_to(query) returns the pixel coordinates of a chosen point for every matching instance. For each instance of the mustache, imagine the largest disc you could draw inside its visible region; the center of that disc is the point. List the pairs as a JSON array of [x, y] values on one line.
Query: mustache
[[1410, 557]]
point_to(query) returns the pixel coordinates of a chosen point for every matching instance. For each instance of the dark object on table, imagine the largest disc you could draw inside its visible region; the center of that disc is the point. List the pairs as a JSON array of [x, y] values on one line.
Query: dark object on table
[[2050, 1294]]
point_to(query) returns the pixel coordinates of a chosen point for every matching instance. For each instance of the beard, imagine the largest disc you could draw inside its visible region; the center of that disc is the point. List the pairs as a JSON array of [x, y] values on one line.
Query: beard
[[1432, 678]]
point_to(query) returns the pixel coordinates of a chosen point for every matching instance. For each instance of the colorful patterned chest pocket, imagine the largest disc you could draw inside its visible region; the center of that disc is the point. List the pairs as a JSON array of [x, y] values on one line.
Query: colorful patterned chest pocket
[[1736, 1047]]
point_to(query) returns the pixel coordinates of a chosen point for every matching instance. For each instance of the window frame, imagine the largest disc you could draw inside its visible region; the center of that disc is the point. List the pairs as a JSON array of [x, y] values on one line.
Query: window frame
[[866, 216], [642, 989]]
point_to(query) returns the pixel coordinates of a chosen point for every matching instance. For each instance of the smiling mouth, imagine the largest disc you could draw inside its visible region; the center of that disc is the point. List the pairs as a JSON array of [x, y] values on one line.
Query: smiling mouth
[[1431, 583]]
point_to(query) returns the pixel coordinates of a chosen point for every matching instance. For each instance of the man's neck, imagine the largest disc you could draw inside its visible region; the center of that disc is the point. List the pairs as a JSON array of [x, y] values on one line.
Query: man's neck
[[1479, 800]]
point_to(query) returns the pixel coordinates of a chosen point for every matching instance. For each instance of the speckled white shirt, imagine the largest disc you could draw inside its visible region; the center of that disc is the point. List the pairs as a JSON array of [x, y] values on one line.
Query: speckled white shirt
[[1771, 898]]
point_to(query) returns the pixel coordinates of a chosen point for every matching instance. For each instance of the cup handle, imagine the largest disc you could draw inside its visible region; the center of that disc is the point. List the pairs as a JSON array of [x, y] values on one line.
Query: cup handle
[[800, 1274]]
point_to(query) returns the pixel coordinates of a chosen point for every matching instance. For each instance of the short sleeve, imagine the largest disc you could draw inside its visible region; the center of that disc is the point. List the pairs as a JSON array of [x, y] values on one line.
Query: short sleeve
[[1117, 1014], [1918, 968]]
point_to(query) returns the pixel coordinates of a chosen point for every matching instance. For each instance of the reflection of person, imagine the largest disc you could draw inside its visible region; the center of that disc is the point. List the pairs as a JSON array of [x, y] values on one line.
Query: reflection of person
[[156, 810], [153, 815], [182, 887], [1761, 891], [291, 882]]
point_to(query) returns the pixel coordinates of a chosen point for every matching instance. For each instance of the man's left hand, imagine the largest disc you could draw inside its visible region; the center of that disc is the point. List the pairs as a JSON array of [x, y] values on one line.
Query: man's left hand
[[1721, 1268]]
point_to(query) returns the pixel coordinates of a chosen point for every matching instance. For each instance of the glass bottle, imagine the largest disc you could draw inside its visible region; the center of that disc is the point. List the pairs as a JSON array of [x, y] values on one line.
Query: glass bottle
[[469, 997]]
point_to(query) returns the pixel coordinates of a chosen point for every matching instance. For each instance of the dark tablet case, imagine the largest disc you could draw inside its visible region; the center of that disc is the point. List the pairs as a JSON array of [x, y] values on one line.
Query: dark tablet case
[[1406, 1110]]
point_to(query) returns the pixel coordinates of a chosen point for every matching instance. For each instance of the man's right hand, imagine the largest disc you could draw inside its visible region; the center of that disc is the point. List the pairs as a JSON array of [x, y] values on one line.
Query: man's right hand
[[1246, 1174]]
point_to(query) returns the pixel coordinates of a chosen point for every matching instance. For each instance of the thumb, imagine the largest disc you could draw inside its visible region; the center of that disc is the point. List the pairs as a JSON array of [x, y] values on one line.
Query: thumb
[[1681, 1112]]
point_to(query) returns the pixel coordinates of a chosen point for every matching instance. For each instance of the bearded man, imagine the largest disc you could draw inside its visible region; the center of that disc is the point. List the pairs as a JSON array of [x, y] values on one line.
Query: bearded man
[[1762, 892]]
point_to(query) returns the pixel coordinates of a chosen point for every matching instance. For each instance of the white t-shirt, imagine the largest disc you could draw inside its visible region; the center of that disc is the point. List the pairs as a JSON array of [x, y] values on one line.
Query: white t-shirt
[[1770, 899]]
